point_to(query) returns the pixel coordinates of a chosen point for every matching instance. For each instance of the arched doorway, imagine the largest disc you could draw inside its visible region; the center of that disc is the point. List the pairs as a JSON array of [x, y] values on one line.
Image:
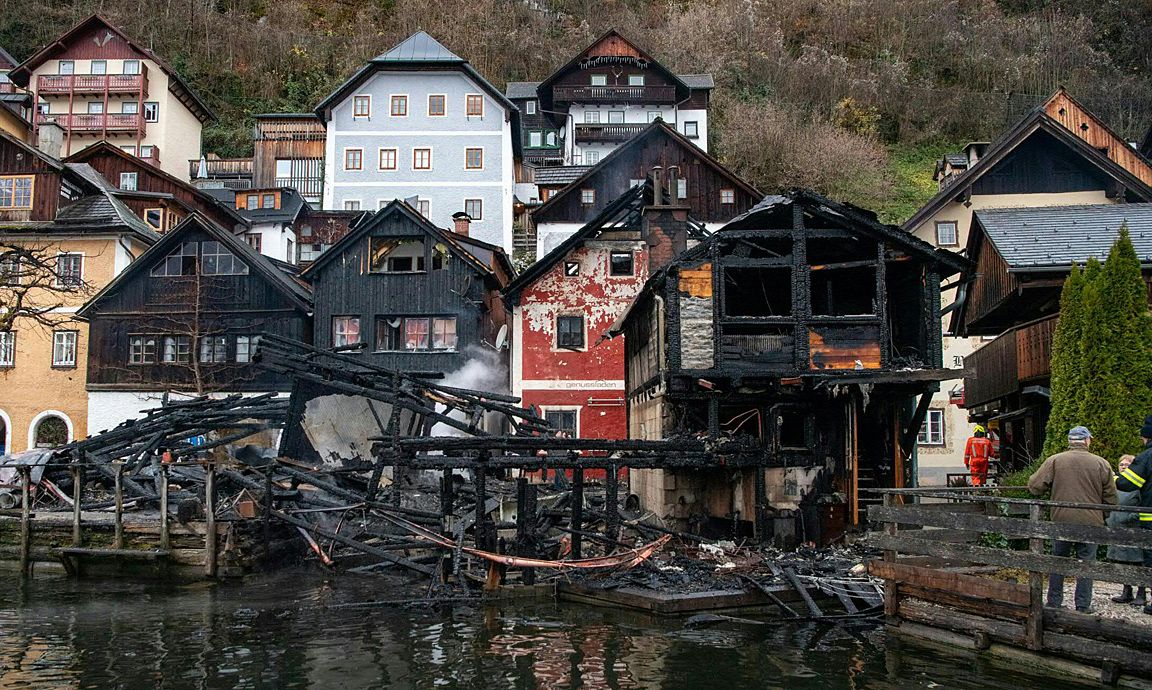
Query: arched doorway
[[49, 429], [5, 433]]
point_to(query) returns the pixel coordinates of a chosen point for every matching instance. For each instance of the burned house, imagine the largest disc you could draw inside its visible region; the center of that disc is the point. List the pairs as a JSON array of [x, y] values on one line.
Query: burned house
[[804, 326]]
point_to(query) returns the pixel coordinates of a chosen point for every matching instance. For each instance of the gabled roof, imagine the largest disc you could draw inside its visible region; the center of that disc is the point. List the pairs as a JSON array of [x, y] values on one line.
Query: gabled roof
[[292, 289], [657, 128], [30, 150], [1058, 236], [22, 74], [1036, 120], [456, 244], [291, 204], [419, 47], [6, 60], [698, 82]]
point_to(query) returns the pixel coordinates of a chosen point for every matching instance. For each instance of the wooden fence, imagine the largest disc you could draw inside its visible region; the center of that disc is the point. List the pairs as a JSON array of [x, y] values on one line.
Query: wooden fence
[[930, 549]]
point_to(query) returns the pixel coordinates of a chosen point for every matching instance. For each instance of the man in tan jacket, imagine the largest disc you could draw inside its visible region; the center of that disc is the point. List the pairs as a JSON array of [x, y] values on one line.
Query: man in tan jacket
[[1075, 476]]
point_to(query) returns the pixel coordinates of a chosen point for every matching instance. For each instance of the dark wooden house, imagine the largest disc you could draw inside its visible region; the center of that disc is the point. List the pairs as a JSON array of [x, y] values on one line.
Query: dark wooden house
[[806, 327], [1023, 256], [33, 182], [414, 296], [288, 151], [187, 315]]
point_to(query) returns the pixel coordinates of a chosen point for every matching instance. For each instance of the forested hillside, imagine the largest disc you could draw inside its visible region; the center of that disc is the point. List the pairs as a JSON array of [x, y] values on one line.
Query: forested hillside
[[853, 97]]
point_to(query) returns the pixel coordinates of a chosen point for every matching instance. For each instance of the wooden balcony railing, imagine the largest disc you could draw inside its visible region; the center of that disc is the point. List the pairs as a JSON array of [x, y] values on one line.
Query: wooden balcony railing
[[1016, 357], [607, 132], [64, 84], [221, 167], [7, 87], [101, 123], [614, 94], [288, 130]]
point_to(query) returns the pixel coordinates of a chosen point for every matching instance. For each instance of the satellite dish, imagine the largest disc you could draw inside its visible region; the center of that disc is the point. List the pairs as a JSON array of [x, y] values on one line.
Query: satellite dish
[[502, 338]]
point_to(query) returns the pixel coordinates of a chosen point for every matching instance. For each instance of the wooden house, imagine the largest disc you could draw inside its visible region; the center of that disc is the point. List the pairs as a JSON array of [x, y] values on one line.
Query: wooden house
[[288, 151], [805, 327], [407, 295], [186, 316]]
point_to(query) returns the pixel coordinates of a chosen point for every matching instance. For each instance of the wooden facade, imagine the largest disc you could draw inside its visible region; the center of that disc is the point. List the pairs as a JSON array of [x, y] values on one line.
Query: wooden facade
[[293, 137], [446, 278], [1081, 122], [223, 313], [705, 180], [19, 159]]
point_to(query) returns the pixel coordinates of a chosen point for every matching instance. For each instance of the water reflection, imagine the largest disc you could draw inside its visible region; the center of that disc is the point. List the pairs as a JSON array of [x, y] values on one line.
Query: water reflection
[[298, 630]]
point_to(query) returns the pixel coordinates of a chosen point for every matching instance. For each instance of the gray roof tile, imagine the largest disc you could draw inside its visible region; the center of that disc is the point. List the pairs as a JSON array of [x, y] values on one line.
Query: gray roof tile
[[560, 175], [521, 89], [698, 81], [1060, 235], [419, 47]]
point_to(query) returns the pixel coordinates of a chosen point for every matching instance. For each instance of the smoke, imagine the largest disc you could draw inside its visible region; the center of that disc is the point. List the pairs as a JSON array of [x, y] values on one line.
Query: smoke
[[484, 371]]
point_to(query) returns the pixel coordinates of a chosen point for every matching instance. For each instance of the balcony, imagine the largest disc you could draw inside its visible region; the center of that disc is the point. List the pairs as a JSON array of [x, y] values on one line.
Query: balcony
[[544, 157], [311, 188], [101, 124], [614, 94], [49, 85], [8, 87], [1018, 356], [216, 168], [150, 154], [591, 133]]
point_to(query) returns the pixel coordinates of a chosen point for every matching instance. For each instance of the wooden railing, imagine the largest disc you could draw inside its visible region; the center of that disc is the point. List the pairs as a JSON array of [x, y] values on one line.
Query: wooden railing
[[293, 129], [615, 94], [987, 610], [7, 87], [63, 84], [93, 123], [999, 367], [221, 167], [607, 132]]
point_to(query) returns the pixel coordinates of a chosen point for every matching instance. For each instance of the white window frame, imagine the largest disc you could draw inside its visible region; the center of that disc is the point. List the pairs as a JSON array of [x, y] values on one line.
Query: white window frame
[[65, 343], [134, 71], [530, 108], [691, 128], [79, 279], [151, 111], [932, 433], [591, 157], [535, 139], [351, 204], [635, 80], [7, 349], [955, 233], [129, 181], [598, 80], [591, 117], [92, 68], [727, 196], [587, 197]]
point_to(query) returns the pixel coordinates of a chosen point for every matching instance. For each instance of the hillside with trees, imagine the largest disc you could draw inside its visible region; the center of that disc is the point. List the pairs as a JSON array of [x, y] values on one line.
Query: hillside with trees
[[852, 97]]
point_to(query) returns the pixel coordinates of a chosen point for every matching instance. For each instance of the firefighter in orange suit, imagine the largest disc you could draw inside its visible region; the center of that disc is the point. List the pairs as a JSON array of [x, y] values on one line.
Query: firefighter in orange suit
[[977, 453]]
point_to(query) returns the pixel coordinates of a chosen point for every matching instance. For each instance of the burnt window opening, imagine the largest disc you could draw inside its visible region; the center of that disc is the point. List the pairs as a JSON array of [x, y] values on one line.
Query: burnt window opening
[[758, 344], [620, 264], [742, 421], [844, 291], [391, 255], [570, 332], [761, 247], [792, 430], [759, 291], [562, 420], [831, 250]]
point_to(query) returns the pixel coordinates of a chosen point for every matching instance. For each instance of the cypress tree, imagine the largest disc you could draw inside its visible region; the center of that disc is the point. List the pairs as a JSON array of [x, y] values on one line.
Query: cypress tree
[[1065, 364]]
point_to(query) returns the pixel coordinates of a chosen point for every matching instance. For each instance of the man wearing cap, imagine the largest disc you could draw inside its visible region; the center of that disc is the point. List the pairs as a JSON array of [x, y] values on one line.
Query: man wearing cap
[[1138, 477], [1075, 476]]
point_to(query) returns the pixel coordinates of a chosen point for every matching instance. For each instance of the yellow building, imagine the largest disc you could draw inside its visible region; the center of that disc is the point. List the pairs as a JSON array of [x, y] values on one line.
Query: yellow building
[[15, 103], [63, 236]]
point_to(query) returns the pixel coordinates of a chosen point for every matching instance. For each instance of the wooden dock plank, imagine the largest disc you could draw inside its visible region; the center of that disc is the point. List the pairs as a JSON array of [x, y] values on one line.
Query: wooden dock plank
[[964, 585]]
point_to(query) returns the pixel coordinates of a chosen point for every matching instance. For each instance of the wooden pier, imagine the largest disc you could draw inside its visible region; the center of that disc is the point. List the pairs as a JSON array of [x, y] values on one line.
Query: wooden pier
[[943, 582]]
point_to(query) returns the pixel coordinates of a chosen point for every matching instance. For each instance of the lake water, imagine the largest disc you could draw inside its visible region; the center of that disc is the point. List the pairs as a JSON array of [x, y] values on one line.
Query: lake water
[[297, 629]]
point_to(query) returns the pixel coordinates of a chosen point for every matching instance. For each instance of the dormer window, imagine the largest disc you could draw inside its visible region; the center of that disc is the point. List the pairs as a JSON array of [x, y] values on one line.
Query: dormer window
[[391, 255], [599, 80]]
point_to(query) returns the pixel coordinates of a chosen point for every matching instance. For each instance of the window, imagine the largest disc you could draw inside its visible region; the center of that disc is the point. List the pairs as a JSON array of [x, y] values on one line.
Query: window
[[131, 67], [95, 107], [551, 138], [99, 67], [129, 149], [16, 191], [681, 188], [251, 202], [444, 333], [254, 240], [421, 159], [66, 67], [142, 349], [69, 270], [570, 332], [43, 108], [932, 432], [654, 116], [148, 151], [415, 333], [424, 207], [474, 208], [218, 261], [351, 205], [399, 106], [361, 106], [388, 159], [530, 107], [691, 129], [7, 348], [587, 196], [181, 262], [151, 111], [535, 139], [592, 116], [562, 420], [946, 235], [353, 159], [474, 159], [154, 217], [268, 201], [130, 107], [635, 80], [571, 268], [599, 80], [52, 431], [436, 105], [177, 349], [345, 331], [10, 269], [63, 348], [474, 105], [244, 346], [620, 264], [391, 255], [591, 157], [213, 348], [727, 196], [128, 181], [615, 116]]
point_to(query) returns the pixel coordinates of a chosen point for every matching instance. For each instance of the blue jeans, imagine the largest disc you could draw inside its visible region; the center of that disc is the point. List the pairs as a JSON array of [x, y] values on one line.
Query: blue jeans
[[1085, 552]]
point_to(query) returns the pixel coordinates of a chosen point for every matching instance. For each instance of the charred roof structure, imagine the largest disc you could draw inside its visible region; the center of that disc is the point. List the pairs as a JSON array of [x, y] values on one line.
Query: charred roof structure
[[804, 325]]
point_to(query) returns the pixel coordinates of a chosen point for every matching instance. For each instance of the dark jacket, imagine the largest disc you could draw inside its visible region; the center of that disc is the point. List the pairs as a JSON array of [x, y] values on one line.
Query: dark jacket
[[1125, 554], [1075, 476], [1138, 477]]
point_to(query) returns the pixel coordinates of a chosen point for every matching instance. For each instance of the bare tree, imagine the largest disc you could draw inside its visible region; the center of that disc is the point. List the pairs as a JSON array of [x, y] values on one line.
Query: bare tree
[[36, 281]]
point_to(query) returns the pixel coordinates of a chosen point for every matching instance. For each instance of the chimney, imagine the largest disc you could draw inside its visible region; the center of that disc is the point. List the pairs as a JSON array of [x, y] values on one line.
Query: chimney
[[664, 222], [461, 222], [50, 138]]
